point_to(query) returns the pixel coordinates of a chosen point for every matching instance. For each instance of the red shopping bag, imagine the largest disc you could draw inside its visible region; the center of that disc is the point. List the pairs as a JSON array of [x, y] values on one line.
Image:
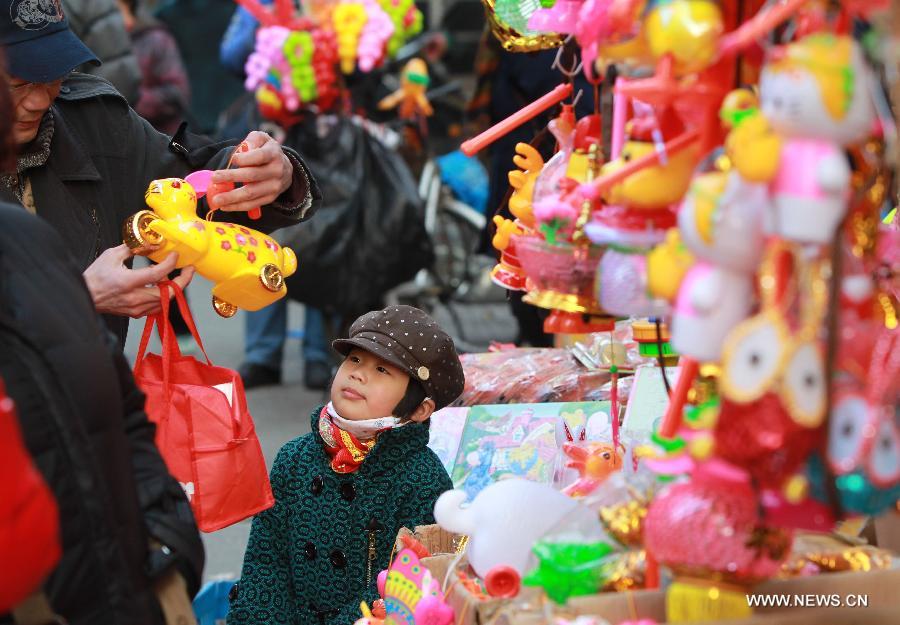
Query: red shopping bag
[[203, 429]]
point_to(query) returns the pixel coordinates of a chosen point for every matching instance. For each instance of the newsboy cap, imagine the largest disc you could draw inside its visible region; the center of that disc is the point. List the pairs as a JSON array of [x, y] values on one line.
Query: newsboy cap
[[37, 42], [408, 338]]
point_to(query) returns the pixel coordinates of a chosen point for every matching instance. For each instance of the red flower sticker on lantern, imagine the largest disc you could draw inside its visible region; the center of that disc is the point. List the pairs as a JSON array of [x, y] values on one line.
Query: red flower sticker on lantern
[[220, 230], [253, 241], [244, 230], [241, 239], [251, 256], [226, 245]]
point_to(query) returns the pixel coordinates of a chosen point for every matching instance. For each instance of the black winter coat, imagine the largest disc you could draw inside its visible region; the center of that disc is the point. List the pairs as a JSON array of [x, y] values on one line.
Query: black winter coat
[[83, 421], [102, 158]]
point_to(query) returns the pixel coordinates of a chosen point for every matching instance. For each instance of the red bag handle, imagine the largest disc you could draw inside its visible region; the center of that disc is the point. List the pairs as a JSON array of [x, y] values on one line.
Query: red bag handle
[[170, 345], [164, 329]]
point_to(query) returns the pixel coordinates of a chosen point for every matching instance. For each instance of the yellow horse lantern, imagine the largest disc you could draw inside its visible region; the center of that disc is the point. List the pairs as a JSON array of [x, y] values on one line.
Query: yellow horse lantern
[[247, 267]]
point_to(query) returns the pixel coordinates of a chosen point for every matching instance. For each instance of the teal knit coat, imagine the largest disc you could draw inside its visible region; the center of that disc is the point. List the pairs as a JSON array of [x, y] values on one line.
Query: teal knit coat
[[317, 553]]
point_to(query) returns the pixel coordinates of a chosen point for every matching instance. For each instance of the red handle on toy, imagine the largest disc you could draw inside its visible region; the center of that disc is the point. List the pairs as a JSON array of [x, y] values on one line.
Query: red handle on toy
[[673, 417], [761, 24], [677, 144], [476, 144]]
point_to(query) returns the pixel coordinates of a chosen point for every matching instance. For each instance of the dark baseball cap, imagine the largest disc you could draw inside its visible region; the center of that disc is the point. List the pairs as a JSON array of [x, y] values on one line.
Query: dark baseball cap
[[408, 338], [37, 42]]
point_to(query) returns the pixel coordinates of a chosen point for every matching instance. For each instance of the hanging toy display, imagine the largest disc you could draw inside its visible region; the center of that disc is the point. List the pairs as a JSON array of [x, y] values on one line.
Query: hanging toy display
[[709, 529], [406, 19], [638, 209], [744, 226], [816, 96], [292, 64], [248, 268], [508, 20]]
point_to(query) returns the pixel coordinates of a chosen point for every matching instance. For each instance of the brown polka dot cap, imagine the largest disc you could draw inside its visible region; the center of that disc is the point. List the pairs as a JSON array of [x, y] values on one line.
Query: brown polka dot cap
[[409, 338]]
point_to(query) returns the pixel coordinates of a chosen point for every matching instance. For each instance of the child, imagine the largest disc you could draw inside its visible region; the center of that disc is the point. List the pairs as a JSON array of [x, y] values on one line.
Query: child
[[343, 491]]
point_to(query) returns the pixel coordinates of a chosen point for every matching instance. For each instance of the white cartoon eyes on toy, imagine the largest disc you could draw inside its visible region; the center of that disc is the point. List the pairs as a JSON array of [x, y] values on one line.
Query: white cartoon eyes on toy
[[752, 357], [884, 456], [803, 386], [847, 432]]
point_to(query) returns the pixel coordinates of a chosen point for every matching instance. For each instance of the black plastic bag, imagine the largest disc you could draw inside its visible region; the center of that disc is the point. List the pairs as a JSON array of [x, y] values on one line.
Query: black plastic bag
[[368, 235]]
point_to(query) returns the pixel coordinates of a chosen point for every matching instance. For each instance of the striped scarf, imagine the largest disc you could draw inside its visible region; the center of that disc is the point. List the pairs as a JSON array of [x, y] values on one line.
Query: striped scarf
[[347, 452]]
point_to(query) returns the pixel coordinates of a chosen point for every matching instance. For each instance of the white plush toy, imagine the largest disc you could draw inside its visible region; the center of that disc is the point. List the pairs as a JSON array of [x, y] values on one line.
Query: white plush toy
[[721, 223], [506, 519], [816, 95]]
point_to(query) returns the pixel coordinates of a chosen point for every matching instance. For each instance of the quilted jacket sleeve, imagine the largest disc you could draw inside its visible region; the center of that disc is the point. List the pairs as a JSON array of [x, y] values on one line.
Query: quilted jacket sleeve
[[265, 592], [99, 24]]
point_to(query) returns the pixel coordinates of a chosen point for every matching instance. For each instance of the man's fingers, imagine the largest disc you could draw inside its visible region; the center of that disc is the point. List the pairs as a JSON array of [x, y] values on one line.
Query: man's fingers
[[121, 253], [187, 274], [154, 273], [243, 174], [248, 197], [255, 139], [258, 156]]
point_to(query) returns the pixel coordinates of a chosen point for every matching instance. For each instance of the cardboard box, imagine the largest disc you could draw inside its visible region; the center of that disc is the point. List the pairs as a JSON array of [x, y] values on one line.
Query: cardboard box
[[434, 538], [821, 616], [882, 589]]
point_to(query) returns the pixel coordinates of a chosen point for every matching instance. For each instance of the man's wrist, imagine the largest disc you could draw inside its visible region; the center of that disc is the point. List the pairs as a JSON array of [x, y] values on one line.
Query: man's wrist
[[297, 198]]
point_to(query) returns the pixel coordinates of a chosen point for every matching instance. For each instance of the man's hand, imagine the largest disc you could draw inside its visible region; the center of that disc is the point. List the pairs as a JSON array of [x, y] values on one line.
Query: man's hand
[[263, 169], [118, 290]]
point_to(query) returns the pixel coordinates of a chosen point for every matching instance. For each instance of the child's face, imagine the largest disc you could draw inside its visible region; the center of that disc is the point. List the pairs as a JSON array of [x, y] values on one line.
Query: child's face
[[367, 387]]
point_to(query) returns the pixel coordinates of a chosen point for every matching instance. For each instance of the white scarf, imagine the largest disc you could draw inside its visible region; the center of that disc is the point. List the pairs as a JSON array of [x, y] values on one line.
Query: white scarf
[[363, 430]]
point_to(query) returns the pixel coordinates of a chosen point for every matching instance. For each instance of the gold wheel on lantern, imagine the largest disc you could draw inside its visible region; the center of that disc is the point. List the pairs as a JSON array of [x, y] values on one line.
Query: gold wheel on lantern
[[271, 277], [224, 308], [137, 234]]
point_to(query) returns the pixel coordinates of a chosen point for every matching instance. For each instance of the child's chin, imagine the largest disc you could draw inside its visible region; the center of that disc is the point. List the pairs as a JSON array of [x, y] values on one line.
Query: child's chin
[[352, 410]]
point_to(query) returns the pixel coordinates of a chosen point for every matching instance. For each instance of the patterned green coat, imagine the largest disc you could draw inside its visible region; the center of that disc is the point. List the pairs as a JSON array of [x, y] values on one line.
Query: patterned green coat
[[317, 553]]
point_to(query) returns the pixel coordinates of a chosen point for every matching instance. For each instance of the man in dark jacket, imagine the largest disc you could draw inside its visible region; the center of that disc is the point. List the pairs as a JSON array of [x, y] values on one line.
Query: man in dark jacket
[[85, 160]]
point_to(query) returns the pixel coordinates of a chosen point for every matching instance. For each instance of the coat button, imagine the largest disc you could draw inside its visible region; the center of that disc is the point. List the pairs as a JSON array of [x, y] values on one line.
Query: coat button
[[65, 89], [310, 551], [318, 483], [338, 559], [348, 491]]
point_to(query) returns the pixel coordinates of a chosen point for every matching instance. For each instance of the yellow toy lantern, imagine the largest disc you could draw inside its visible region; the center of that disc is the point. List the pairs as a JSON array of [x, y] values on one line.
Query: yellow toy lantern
[[247, 267], [411, 96]]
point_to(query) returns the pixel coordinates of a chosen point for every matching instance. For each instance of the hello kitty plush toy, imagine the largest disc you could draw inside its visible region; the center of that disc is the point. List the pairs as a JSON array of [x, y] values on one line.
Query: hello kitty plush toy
[[815, 95], [721, 224]]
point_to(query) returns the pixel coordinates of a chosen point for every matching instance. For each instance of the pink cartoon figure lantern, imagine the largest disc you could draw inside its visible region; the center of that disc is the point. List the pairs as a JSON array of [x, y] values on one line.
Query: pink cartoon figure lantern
[[411, 595]]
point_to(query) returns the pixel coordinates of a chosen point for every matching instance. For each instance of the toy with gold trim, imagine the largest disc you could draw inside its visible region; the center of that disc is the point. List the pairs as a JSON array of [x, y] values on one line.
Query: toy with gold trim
[[247, 267]]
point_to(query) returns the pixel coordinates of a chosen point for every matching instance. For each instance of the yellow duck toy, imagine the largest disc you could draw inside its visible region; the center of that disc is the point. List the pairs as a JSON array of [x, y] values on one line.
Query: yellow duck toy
[[657, 187], [410, 97], [752, 145], [247, 267]]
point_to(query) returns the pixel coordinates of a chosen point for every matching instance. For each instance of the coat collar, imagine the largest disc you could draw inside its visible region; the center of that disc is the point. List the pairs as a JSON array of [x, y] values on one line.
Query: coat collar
[[409, 437], [68, 156]]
